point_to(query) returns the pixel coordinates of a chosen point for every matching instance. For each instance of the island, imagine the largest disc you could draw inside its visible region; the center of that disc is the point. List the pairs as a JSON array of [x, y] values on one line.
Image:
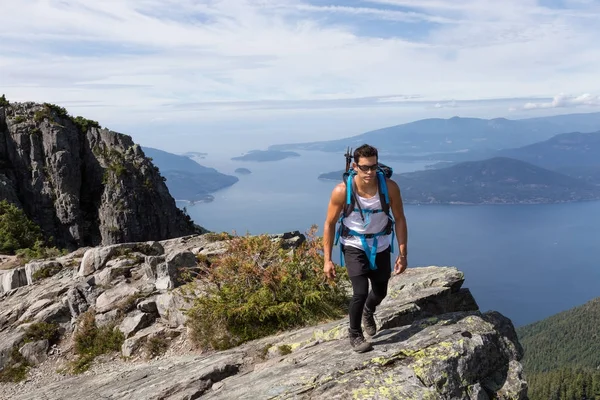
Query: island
[[195, 154], [498, 180], [207, 198], [266, 155], [242, 171], [332, 176]]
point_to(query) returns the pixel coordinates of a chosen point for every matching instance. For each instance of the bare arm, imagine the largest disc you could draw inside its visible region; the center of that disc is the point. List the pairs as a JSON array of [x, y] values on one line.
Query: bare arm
[[336, 204], [397, 208]]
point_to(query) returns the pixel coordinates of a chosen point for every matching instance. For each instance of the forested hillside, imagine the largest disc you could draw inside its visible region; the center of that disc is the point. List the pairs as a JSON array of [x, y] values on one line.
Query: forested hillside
[[565, 384], [562, 354]]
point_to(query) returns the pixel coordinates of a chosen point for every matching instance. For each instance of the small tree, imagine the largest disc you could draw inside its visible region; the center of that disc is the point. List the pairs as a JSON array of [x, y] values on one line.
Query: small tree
[[83, 124], [16, 230], [3, 101]]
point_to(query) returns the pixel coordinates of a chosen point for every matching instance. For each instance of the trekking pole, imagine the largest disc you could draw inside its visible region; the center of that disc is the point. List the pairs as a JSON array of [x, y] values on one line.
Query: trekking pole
[[348, 158]]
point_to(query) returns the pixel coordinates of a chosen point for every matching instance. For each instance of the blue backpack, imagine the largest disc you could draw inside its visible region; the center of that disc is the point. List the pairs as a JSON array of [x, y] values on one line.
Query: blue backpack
[[383, 172]]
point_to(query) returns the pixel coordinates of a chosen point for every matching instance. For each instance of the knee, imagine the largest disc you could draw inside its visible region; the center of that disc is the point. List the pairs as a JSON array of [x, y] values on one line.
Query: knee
[[359, 297], [379, 295]]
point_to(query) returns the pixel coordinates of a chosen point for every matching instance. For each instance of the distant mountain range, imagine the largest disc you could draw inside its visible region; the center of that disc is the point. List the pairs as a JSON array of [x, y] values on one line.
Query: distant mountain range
[[498, 180], [186, 179], [564, 167], [575, 154], [559, 167], [457, 134], [565, 150]]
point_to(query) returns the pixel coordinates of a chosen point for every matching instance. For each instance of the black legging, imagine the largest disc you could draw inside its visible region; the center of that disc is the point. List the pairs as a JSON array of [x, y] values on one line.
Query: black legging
[[360, 274], [363, 298]]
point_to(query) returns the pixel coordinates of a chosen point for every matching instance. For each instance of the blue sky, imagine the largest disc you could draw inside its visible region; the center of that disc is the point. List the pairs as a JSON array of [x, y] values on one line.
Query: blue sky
[[172, 73]]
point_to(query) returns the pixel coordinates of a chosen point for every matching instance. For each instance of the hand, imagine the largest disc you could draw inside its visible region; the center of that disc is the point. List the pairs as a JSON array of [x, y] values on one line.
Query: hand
[[329, 269], [400, 265]]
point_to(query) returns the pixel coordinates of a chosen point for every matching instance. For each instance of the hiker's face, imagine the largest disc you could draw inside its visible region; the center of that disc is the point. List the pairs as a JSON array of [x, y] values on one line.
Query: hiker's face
[[366, 168]]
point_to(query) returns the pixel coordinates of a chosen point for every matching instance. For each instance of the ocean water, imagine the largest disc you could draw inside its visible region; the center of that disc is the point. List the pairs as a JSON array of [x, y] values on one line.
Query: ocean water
[[525, 261]]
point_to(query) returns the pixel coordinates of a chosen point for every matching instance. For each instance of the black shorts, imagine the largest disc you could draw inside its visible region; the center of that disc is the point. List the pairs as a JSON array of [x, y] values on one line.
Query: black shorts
[[357, 263]]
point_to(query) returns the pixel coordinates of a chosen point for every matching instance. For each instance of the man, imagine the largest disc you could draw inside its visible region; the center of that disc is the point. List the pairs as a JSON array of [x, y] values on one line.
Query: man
[[364, 221]]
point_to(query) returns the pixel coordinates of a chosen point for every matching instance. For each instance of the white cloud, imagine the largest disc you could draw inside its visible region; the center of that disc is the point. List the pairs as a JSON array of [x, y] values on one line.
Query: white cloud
[[397, 99], [386, 14], [563, 100], [119, 61], [450, 104]]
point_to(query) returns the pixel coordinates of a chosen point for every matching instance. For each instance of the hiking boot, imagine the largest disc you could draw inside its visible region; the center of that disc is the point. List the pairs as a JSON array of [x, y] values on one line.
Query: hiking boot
[[368, 321], [359, 344]]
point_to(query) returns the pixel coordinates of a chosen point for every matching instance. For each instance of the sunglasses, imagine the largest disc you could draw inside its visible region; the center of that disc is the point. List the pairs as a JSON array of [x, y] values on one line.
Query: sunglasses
[[366, 168]]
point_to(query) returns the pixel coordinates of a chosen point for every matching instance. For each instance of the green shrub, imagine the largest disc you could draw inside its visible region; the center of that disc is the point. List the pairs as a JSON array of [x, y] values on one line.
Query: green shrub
[[49, 111], [40, 331], [47, 271], [84, 124], [19, 119], [21, 236], [40, 115], [216, 237], [128, 304], [257, 289], [16, 230], [117, 168], [4, 102], [59, 111], [40, 251], [156, 346], [16, 368], [91, 341], [284, 349]]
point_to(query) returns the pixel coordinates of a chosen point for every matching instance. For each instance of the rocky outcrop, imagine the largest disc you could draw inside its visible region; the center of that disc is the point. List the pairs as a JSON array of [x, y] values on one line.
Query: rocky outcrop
[[432, 343], [83, 185]]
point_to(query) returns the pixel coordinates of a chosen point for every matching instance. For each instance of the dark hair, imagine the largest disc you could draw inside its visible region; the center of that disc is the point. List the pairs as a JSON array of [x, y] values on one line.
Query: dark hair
[[365, 151]]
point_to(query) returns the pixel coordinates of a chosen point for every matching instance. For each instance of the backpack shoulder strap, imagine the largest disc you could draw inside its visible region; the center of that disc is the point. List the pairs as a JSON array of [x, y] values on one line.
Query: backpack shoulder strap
[[384, 197], [350, 194]]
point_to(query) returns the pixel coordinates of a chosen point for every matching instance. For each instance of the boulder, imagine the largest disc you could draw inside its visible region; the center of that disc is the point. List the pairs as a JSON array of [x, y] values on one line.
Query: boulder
[[13, 279], [48, 268], [34, 309], [133, 344], [148, 306], [169, 274], [150, 264], [76, 302], [109, 317], [171, 308], [95, 258], [9, 340], [135, 321], [35, 352], [111, 298]]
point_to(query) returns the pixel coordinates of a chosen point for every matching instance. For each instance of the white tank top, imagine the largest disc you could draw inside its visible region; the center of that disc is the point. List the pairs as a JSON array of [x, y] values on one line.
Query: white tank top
[[373, 223]]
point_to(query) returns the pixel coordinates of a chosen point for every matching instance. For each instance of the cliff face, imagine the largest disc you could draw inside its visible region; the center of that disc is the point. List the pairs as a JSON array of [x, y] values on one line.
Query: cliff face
[[83, 185]]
